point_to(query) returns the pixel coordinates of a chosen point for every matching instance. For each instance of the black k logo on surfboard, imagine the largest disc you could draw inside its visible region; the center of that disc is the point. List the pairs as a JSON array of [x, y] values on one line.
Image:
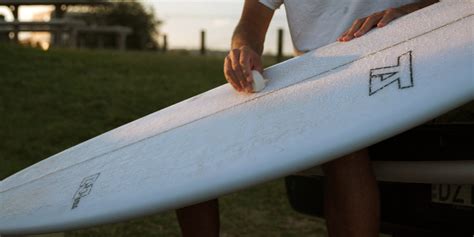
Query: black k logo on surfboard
[[400, 74], [84, 189]]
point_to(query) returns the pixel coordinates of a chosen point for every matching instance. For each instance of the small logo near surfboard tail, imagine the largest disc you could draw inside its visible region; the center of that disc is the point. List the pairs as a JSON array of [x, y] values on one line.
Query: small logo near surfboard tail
[[400, 74], [84, 189]]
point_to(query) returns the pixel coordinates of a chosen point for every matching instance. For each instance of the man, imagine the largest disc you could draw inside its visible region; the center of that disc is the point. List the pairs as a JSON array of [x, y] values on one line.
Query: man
[[351, 195]]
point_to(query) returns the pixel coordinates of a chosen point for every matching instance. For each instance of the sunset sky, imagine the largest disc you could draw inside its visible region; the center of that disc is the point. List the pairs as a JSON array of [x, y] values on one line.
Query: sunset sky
[[184, 19]]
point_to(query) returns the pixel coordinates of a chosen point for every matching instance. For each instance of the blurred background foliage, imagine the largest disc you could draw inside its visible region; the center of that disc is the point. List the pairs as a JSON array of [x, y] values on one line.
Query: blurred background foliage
[[128, 13]]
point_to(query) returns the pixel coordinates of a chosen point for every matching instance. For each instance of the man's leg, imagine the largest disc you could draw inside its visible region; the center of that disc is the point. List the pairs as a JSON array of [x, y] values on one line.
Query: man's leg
[[351, 201], [200, 219]]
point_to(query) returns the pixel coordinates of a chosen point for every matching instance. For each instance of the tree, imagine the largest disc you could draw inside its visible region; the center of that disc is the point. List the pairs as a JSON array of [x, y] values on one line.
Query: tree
[[130, 13], [134, 15]]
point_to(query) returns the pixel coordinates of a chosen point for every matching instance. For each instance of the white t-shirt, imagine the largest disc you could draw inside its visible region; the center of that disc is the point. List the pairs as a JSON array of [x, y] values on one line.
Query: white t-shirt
[[315, 23]]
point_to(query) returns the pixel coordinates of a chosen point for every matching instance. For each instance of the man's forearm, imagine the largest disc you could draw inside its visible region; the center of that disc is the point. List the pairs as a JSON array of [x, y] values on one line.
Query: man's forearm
[[252, 27]]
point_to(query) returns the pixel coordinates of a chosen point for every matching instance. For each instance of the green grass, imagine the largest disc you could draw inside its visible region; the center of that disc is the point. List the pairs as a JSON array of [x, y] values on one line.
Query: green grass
[[52, 100]]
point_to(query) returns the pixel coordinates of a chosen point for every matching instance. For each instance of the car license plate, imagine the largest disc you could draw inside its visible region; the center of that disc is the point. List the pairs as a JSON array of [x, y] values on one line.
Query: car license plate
[[454, 194]]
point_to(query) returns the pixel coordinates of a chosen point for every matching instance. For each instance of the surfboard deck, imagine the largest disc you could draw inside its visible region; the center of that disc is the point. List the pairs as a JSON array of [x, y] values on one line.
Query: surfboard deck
[[316, 107]]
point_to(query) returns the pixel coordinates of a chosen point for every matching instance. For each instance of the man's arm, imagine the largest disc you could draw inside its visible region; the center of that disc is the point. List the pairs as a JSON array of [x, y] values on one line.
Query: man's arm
[[247, 45], [381, 19]]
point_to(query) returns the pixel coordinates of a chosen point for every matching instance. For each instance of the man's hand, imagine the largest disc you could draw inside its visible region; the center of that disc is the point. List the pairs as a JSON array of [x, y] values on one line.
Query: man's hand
[[363, 25], [380, 19], [247, 45], [238, 66]]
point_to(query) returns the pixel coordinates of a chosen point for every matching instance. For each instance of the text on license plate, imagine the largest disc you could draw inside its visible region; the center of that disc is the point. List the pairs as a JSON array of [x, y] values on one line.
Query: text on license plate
[[454, 194]]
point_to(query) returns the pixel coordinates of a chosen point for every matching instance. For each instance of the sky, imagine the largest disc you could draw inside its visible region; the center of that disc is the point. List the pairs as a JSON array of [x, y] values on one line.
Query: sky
[[26, 12], [183, 21]]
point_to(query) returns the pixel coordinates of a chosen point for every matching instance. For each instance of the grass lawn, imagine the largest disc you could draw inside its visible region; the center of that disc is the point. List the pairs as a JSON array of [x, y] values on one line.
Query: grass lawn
[[52, 100]]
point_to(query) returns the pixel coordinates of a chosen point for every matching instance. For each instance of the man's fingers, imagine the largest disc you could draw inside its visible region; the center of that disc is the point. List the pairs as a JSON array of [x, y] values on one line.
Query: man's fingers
[[389, 16], [354, 28], [235, 62], [342, 36], [369, 23], [238, 66], [363, 25], [230, 75], [245, 63]]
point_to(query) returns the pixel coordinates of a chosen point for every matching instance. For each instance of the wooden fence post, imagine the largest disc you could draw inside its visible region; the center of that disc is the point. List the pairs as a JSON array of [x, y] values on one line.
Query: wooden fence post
[[280, 45], [203, 42], [59, 11], [165, 43], [14, 11]]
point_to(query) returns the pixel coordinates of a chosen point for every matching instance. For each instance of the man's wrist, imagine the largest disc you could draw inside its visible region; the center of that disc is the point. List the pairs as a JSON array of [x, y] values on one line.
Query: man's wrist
[[242, 45]]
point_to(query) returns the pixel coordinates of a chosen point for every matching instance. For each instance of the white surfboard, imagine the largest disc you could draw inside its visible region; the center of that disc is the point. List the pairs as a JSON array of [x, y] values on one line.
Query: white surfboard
[[315, 108]]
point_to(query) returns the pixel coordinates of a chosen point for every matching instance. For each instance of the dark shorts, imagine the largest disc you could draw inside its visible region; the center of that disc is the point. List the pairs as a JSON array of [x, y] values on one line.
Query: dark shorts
[[448, 137]]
